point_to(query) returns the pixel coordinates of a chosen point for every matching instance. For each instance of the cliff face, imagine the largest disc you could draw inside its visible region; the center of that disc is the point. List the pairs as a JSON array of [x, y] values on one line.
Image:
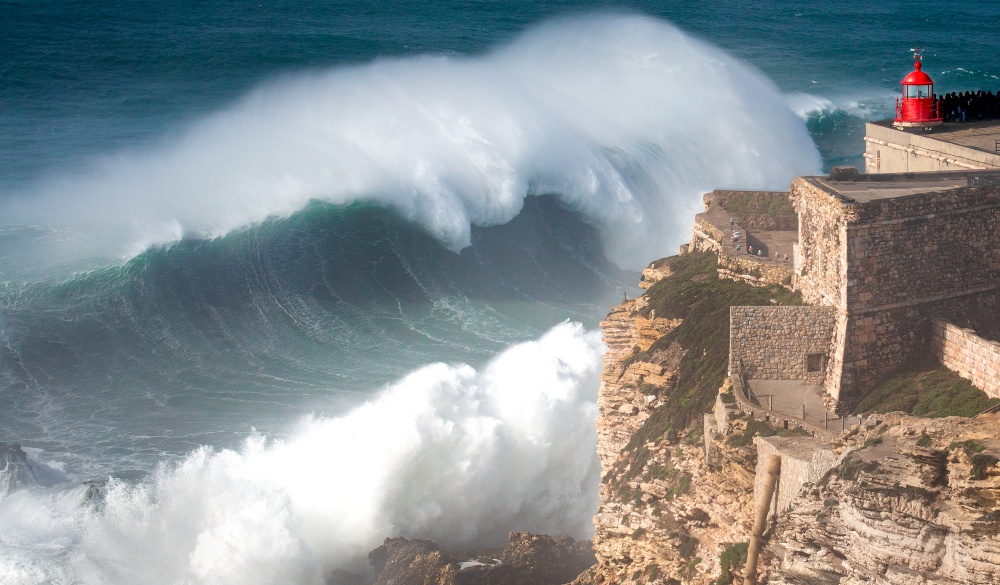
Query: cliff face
[[664, 516], [915, 501]]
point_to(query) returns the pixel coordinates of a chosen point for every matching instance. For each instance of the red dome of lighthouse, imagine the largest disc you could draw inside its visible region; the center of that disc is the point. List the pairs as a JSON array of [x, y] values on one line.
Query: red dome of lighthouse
[[917, 77]]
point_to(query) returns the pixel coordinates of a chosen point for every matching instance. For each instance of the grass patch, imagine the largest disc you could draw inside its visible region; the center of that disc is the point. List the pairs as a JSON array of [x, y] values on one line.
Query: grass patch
[[754, 428], [764, 203], [981, 462], [733, 557], [688, 544], [695, 293], [851, 468], [925, 388], [970, 447], [872, 442], [924, 440]]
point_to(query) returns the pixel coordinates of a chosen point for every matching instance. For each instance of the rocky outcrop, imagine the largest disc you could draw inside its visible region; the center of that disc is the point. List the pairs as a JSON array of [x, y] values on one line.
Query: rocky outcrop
[[655, 272], [623, 400], [914, 502], [15, 470], [524, 558], [664, 516]]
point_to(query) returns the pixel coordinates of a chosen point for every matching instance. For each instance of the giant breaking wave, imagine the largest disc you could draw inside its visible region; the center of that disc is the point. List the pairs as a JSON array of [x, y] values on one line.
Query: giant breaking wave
[[624, 118]]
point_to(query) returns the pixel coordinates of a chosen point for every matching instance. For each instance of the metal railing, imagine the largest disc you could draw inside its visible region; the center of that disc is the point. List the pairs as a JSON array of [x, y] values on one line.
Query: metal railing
[[929, 114]]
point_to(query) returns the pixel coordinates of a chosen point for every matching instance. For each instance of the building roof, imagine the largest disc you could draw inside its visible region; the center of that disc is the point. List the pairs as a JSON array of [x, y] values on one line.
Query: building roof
[[865, 188], [982, 136]]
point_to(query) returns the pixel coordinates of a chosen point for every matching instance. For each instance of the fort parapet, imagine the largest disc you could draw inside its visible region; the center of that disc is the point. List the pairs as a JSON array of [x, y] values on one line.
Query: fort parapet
[[878, 258], [888, 253]]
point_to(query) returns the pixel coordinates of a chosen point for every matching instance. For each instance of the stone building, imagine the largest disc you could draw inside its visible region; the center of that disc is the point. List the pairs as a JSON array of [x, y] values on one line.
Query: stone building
[[888, 263], [888, 253]]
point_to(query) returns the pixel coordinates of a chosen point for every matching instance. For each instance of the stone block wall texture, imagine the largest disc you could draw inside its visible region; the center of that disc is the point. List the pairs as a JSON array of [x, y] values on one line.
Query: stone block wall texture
[[888, 265], [803, 460], [773, 342], [968, 355]]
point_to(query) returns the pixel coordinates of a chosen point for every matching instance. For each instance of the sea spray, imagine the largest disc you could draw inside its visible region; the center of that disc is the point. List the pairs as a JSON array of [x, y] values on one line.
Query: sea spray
[[449, 453], [625, 118]]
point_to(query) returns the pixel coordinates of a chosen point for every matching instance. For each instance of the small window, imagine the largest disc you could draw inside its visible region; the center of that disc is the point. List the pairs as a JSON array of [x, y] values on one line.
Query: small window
[[815, 362], [918, 91]]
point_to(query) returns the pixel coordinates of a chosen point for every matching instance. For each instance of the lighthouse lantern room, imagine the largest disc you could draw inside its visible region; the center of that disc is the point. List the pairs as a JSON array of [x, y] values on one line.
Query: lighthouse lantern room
[[917, 107]]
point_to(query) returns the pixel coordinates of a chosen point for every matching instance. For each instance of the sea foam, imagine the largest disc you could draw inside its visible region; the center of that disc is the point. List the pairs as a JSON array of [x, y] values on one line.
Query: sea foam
[[625, 118], [450, 453]]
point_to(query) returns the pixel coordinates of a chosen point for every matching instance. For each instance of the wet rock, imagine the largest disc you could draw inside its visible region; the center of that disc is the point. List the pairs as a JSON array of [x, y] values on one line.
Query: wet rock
[[15, 470]]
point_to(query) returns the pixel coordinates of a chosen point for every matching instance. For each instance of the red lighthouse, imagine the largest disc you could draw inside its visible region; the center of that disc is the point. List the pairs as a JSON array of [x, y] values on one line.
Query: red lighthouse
[[917, 106]]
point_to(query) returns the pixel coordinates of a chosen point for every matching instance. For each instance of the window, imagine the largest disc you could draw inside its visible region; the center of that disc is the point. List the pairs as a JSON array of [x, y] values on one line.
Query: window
[[815, 362], [917, 91]]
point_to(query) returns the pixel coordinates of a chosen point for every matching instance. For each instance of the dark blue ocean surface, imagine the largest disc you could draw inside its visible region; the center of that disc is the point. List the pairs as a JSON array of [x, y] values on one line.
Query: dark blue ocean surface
[[81, 78], [328, 272]]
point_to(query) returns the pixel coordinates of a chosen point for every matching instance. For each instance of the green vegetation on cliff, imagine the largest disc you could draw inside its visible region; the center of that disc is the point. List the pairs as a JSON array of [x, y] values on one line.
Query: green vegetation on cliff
[[925, 388], [695, 293], [761, 203]]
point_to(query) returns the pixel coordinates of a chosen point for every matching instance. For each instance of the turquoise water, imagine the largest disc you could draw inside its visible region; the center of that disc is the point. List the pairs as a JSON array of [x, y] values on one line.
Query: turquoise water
[[307, 275]]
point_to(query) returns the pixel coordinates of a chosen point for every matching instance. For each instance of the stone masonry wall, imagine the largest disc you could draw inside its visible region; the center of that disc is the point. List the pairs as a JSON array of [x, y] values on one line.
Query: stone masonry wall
[[774, 342], [970, 356], [910, 258], [888, 266], [920, 248], [880, 341], [822, 252]]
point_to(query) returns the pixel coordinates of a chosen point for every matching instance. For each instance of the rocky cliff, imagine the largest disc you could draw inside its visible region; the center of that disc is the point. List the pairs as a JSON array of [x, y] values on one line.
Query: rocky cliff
[[914, 501], [905, 500]]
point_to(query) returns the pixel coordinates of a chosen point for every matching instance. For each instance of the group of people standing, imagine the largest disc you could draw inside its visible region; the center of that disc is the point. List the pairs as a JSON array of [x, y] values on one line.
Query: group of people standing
[[971, 106]]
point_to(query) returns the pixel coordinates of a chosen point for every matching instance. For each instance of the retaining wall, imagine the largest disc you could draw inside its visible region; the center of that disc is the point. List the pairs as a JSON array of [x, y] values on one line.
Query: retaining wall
[[968, 355]]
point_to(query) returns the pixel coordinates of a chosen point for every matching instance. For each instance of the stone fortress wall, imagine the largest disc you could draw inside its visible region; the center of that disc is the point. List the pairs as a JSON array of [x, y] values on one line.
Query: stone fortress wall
[[888, 264], [877, 257], [781, 342], [970, 356]]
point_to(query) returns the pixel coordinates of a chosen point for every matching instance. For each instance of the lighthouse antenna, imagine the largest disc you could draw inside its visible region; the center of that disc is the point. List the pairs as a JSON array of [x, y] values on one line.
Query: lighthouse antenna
[[918, 53]]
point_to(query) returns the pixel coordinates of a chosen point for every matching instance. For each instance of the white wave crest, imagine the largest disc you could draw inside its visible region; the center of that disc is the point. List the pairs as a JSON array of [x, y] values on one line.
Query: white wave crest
[[449, 453], [625, 118], [805, 105]]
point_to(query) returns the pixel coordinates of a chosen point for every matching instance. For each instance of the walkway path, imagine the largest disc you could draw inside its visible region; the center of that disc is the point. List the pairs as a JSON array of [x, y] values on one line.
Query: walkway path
[[790, 400]]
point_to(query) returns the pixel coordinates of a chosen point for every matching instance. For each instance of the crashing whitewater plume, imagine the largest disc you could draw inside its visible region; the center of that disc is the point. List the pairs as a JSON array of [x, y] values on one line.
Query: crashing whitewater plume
[[625, 118], [449, 453]]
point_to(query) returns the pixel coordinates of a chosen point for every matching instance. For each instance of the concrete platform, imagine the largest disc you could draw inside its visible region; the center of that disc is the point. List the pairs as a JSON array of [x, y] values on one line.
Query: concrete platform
[[982, 136], [788, 397]]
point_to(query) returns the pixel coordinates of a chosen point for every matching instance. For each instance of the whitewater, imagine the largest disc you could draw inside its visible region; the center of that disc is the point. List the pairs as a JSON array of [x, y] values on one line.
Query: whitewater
[[606, 113], [345, 212]]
